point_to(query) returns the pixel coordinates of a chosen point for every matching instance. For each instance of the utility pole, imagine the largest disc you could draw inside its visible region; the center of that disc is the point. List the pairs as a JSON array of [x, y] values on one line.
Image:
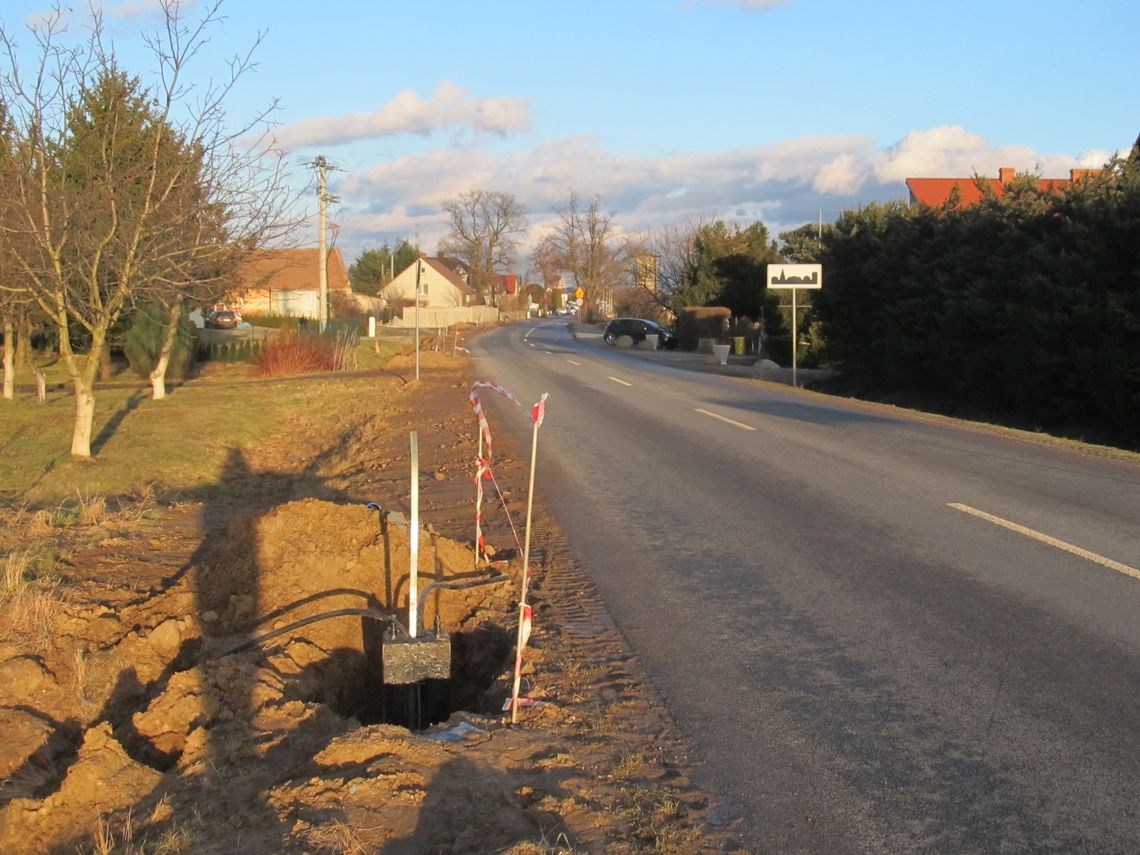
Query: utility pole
[[323, 199], [419, 271]]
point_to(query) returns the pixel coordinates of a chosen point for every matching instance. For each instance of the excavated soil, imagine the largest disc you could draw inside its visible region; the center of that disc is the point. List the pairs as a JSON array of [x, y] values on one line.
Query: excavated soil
[[167, 692]]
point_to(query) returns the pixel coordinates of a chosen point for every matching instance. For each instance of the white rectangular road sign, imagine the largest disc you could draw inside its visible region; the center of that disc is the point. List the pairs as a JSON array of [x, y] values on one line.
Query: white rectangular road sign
[[794, 276]]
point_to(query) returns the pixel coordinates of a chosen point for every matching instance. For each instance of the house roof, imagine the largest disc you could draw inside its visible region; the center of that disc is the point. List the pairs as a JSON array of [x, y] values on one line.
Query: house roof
[[457, 264], [447, 273], [935, 192], [292, 270]]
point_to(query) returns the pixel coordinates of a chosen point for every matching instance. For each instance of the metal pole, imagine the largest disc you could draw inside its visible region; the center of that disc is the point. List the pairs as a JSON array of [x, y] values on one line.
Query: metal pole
[[322, 199], [419, 267], [795, 337], [478, 494], [414, 540], [520, 638], [529, 506]]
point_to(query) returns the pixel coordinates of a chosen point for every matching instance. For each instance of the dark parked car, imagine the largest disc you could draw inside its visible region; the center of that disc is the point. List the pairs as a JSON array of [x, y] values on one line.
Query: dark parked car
[[637, 329], [223, 320]]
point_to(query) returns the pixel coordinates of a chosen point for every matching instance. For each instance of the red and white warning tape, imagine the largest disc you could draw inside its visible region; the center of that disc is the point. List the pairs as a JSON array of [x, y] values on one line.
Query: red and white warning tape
[[483, 462], [477, 407]]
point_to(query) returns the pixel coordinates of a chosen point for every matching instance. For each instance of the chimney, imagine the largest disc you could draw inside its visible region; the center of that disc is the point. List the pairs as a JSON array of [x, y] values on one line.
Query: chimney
[[1005, 175]]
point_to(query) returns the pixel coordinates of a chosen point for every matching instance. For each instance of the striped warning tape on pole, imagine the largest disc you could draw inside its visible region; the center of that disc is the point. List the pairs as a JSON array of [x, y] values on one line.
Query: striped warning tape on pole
[[477, 407], [483, 461]]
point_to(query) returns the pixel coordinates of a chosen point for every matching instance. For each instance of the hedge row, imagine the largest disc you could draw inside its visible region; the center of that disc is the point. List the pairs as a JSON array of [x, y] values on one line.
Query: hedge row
[[1027, 305]]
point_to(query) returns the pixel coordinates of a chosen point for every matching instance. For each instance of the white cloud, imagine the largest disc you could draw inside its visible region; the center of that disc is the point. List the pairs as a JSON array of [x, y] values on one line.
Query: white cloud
[[841, 176], [950, 151], [138, 8], [126, 10], [449, 106], [785, 184], [44, 18], [748, 5]]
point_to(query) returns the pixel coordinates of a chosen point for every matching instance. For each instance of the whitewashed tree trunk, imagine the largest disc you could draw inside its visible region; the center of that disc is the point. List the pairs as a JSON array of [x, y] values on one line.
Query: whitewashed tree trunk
[[84, 417], [9, 359], [158, 375], [83, 375]]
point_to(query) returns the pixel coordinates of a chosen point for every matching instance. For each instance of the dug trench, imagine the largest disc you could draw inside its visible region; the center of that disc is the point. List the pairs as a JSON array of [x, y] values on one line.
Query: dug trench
[[186, 689]]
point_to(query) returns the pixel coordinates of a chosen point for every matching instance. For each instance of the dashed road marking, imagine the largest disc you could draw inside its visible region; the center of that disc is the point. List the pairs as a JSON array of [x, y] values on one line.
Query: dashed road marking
[[619, 380], [572, 362], [1047, 539], [732, 422]]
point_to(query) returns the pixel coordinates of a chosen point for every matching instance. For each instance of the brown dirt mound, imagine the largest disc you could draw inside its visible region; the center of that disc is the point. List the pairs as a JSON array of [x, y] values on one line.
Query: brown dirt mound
[[130, 728]]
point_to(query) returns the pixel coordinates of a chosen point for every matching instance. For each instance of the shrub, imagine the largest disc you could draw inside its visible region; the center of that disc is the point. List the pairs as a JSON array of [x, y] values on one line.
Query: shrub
[[697, 322], [143, 342], [297, 353]]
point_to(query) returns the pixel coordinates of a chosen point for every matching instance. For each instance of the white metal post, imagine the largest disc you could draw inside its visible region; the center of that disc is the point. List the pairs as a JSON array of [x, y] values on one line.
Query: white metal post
[[520, 639], [414, 540], [795, 336], [419, 267], [478, 494]]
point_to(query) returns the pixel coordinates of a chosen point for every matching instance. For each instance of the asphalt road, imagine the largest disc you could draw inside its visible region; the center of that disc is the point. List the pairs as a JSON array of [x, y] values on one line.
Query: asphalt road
[[880, 633]]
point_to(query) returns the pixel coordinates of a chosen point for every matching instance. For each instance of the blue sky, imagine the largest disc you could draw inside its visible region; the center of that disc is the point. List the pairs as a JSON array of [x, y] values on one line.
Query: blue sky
[[670, 110]]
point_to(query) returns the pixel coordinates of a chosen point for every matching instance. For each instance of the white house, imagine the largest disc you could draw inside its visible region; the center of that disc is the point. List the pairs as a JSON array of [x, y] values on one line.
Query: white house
[[440, 287], [287, 282]]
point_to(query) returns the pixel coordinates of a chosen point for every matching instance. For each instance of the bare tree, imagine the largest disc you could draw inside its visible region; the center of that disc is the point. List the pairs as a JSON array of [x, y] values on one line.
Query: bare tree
[[585, 244], [12, 297], [673, 250], [126, 193], [483, 231]]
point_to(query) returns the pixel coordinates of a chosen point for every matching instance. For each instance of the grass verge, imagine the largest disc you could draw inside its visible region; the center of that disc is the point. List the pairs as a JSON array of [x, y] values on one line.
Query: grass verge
[[176, 444]]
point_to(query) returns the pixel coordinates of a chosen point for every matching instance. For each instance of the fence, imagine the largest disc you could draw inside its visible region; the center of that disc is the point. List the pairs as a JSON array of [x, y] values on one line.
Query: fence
[[447, 316]]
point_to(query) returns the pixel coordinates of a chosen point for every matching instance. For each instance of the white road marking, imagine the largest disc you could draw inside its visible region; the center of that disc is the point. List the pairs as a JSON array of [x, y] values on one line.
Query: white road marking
[[616, 380], [572, 362], [732, 422], [1051, 541], [550, 352]]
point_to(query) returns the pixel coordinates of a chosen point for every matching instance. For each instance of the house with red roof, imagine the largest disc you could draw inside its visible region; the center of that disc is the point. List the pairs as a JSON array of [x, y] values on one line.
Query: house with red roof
[[936, 192]]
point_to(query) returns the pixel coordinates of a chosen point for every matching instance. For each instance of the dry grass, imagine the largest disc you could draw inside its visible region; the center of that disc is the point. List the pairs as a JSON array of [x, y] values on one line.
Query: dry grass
[[627, 765], [14, 574], [118, 838], [657, 818], [80, 676], [31, 596], [336, 837], [28, 611], [90, 509], [105, 842], [560, 846], [174, 840]]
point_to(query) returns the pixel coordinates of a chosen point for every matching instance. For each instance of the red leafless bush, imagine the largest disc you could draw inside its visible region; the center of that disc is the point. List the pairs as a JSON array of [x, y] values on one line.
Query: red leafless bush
[[297, 353]]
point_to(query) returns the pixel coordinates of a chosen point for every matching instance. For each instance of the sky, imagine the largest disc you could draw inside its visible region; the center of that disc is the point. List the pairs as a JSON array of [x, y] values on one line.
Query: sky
[[669, 111]]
